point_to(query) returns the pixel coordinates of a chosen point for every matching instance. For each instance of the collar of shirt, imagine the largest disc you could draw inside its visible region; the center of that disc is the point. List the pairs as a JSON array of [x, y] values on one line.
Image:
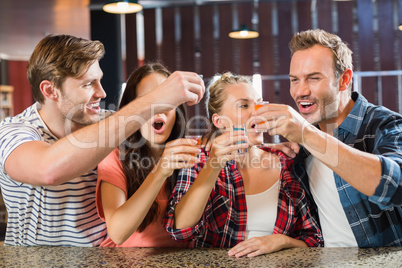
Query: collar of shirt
[[354, 120]]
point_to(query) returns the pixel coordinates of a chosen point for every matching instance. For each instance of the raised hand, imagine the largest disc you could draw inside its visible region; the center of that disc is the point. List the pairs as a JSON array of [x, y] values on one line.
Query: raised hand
[[281, 120], [179, 87], [178, 154], [224, 148]]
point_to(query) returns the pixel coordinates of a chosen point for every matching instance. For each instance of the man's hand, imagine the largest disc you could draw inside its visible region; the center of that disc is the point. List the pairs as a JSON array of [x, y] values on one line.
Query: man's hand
[[281, 120], [179, 87]]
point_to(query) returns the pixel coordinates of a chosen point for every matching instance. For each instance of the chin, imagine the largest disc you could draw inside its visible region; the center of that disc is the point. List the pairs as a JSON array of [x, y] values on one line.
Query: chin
[[159, 140]]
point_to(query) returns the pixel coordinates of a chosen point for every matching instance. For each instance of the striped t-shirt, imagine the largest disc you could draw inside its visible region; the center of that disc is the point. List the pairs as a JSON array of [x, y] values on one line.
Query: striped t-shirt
[[62, 215]]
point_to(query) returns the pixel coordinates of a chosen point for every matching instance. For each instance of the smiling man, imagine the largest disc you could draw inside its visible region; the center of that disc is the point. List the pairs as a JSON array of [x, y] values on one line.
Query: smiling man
[[353, 150], [49, 152]]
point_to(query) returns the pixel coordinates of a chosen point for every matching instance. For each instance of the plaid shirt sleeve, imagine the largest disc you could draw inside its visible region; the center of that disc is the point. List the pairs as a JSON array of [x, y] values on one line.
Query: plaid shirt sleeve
[[294, 217], [184, 181], [389, 149]]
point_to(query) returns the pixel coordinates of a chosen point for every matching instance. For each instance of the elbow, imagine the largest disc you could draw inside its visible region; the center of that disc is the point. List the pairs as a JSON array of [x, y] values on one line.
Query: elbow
[[50, 177], [117, 239]]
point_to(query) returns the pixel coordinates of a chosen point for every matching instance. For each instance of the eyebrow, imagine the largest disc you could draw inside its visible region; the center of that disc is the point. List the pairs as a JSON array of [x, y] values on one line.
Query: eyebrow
[[308, 75], [244, 99]]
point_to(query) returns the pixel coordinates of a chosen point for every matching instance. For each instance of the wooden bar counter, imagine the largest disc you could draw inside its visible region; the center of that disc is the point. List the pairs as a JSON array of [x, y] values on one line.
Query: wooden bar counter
[[31, 257]]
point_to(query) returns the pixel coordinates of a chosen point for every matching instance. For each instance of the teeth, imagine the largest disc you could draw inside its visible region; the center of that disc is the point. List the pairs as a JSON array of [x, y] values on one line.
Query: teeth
[[93, 105], [306, 103]]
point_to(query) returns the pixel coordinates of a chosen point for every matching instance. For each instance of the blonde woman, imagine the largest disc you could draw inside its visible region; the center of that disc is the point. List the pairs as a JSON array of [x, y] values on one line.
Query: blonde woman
[[248, 202]]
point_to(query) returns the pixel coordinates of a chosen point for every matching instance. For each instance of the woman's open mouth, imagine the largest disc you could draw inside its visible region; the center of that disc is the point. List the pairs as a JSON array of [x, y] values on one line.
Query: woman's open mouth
[[158, 126]]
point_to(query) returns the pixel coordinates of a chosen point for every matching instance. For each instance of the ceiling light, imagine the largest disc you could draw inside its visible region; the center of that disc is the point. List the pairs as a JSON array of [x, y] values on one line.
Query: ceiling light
[[122, 7], [243, 33]]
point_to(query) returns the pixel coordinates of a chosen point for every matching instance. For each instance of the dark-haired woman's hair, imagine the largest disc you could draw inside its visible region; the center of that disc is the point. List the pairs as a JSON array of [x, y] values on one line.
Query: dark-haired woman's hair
[[133, 156]]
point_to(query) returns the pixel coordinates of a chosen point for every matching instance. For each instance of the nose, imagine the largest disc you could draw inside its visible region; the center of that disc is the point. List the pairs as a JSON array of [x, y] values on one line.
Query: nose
[[100, 92], [300, 89]]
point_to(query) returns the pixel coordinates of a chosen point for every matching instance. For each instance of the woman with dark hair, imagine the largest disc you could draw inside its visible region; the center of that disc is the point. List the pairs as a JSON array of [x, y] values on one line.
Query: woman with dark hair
[[137, 178]]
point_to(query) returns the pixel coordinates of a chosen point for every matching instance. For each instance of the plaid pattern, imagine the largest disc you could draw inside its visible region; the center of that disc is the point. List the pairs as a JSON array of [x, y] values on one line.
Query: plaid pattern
[[224, 220], [376, 220]]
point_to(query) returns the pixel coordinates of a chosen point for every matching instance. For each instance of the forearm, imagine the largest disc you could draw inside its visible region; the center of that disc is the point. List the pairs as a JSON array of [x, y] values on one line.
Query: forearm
[[128, 217], [78, 152], [289, 242], [360, 169], [191, 207]]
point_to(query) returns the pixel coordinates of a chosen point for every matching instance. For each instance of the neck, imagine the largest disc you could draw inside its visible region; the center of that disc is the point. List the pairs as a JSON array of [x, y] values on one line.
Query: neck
[[257, 158], [56, 122]]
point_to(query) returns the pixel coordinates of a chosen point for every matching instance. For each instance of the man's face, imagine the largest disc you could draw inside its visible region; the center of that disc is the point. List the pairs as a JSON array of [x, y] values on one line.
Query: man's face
[[79, 102], [313, 85]]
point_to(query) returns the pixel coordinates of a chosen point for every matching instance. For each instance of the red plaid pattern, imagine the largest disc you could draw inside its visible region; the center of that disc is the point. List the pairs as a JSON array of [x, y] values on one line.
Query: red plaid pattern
[[224, 220]]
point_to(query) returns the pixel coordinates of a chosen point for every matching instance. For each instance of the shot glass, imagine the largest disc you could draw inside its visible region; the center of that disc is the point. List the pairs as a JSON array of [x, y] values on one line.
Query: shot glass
[[197, 138], [258, 105], [241, 127]]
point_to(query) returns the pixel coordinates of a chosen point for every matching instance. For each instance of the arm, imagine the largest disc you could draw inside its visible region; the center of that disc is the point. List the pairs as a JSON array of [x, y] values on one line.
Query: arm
[[192, 205], [123, 216], [75, 154], [360, 169]]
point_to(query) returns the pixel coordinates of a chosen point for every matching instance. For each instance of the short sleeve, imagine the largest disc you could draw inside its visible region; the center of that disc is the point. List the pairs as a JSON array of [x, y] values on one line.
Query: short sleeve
[[13, 135], [111, 171]]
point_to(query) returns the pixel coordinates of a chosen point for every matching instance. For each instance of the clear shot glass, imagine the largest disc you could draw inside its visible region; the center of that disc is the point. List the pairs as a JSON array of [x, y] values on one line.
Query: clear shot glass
[[241, 127], [258, 105]]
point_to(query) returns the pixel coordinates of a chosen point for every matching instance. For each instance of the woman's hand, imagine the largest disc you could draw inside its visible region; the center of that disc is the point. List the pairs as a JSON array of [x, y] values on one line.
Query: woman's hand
[[178, 154], [265, 244], [224, 148]]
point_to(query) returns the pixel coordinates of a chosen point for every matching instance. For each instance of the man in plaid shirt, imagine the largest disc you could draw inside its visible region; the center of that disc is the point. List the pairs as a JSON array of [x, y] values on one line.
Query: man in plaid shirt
[[354, 154]]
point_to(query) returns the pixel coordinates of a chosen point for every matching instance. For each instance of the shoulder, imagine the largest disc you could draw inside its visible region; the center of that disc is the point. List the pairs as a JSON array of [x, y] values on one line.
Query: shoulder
[[28, 118], [111, 161]]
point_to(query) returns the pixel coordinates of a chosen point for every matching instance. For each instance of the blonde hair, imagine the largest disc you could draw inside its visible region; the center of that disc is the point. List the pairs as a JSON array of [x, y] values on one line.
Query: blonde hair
[[216, 94], [342, 55], [57, 57]]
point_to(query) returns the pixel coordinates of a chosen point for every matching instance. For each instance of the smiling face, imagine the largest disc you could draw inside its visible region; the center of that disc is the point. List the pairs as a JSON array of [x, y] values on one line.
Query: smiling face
[[313, 85], [79, 98], [157, 129], [238, 107]]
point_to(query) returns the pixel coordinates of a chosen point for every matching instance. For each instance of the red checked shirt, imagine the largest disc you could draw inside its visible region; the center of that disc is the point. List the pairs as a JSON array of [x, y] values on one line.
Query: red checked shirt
[[223, 223]]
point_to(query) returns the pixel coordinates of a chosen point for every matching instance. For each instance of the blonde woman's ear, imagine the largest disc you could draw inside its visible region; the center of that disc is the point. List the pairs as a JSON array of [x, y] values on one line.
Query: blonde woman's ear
[[216, 120]]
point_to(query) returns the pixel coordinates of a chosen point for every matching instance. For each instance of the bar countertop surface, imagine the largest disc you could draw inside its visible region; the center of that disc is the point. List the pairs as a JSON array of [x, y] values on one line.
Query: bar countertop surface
[[12, 256]]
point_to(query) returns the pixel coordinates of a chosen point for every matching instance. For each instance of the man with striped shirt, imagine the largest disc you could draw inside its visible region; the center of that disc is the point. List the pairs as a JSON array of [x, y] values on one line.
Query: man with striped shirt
[[352, 147], [49, 152]]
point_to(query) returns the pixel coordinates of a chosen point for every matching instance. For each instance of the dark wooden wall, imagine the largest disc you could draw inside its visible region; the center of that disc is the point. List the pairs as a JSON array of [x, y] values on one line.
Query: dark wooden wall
[[369, 27], [195, 38]]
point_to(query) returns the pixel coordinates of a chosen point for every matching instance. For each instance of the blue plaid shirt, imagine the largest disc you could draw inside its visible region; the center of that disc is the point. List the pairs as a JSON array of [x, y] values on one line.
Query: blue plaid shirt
[[375, 220]]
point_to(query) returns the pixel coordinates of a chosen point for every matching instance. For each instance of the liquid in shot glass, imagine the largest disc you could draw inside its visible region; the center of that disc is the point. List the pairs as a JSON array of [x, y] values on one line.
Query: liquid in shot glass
[[259, 104], [243, 128], [198, 139]]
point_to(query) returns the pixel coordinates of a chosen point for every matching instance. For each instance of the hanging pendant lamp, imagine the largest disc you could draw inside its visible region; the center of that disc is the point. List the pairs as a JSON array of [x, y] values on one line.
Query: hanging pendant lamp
[[122, 7]]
